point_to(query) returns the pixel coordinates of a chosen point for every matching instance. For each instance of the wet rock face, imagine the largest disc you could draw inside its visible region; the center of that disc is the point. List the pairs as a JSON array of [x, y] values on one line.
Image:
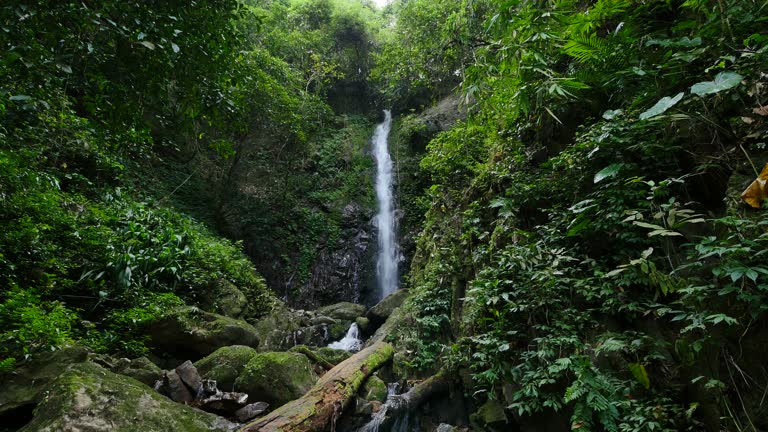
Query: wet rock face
[[342, 271]]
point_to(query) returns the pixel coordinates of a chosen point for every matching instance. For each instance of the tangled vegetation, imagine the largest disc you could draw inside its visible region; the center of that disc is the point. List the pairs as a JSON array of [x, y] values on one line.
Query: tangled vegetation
[[586, 251]]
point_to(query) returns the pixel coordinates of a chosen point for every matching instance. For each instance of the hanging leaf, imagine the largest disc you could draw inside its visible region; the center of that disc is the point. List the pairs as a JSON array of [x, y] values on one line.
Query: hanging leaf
[[661, 106], [641, 375], [175, 47], [723, 81], [148, 44], [609, 171]]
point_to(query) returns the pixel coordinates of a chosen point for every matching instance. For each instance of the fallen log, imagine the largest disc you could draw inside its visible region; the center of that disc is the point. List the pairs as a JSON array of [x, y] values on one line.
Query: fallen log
[[318, 410]]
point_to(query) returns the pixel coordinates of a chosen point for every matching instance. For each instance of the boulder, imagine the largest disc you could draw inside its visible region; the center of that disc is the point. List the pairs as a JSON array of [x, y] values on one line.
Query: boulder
[[276, 329], [276, 377], [225, 364], [378, 314], [490, 412], [374, 389], [173, 387], [364, 324], [141, 369], [88, 398], [338, 330], [224, 298], [23, 386], [192, 333], [344, 311]]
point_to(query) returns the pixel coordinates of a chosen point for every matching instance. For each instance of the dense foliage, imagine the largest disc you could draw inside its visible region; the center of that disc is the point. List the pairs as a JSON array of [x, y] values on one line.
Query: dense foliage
[[118, 120], [585, 251]]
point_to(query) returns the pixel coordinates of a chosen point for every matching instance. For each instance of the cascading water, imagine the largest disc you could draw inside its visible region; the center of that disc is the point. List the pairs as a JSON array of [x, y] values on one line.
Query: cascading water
[[351, 341], [388, 249], [395, 402]]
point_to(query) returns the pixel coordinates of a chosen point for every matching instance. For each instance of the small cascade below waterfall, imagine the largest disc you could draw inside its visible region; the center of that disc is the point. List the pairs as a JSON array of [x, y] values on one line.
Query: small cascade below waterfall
[[388, 254], [395, 402], [351, 342]]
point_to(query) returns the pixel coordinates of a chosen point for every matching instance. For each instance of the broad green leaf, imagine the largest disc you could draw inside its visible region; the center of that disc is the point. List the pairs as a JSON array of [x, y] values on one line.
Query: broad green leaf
[[175, 47], [661, 106], [648, 225], [148, 44], [20, 98], [611, 114], [609, 171], [723, 81], [638, 370]]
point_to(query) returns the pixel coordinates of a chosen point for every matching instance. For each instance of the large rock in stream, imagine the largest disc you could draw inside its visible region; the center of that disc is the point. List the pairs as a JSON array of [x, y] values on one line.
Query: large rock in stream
[[89, 398]]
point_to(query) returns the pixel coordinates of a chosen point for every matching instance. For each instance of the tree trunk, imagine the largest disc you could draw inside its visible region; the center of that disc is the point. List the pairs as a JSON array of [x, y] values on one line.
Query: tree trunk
[[318, 410]]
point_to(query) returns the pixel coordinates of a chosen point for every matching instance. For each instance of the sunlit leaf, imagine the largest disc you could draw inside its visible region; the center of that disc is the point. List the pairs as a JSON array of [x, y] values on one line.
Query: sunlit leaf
[[661, 106], [609, 171], [641, 375], [723, 81]]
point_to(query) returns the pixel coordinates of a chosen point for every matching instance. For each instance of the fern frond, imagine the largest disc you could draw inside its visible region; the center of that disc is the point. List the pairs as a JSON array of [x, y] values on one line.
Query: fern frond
[[587, 49]]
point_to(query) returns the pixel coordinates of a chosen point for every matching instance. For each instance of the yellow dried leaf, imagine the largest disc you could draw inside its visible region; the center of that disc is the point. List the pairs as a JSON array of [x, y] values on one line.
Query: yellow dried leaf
[[763, 110], [758, 190]]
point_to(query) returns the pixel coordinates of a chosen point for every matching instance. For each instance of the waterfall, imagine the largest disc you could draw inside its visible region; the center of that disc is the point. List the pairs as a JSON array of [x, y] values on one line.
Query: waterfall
[[395, 402], [350, 342], [385, 220]]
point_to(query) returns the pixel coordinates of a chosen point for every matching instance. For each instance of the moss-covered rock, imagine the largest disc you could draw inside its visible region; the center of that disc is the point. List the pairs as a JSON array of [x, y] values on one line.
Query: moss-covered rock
[[334, 356], [374, 389], [24, 385], [338, 330], [276, 329], [225, 364], [491, 412], [344, 311], [88, 397], [192, 333], [276, 377], [141, 369], [226, 299], [378, 314], [364, 324]]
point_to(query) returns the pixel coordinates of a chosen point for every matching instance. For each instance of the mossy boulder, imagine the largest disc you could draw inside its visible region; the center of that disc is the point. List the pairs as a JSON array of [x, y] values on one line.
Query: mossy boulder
[[334, 356], [374, 389], [141, 369], [344, 311], [188, 332], [224, 298], [364, 324], [276, 377], [24, 385], [88, 397], [225, 364], [378, 314], [277, 328], [489, 413]]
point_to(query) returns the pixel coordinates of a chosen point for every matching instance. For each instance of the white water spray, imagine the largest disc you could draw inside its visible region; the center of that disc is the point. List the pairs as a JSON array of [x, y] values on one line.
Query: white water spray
[[388, 248], [351, 341]]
